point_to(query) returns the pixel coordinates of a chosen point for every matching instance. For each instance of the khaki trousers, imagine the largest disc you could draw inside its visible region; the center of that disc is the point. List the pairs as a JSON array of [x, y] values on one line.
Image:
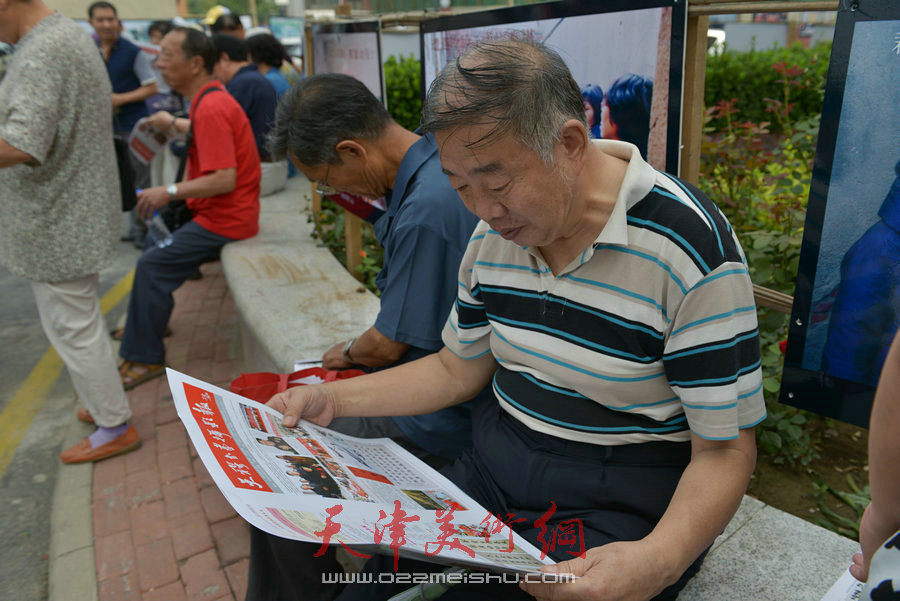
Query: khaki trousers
[[71, 318]]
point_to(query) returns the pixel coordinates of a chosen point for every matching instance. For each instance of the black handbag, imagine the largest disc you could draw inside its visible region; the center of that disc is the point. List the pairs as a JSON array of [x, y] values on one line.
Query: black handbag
[[126, 173], [177, 213]]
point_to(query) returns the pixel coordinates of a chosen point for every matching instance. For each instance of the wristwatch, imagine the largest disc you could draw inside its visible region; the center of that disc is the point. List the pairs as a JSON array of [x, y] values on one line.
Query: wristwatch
[[346, 351], [172, 189]]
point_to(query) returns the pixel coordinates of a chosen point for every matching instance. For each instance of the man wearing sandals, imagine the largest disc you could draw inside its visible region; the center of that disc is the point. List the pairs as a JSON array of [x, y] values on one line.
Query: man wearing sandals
[[222, 192], [60, 205]]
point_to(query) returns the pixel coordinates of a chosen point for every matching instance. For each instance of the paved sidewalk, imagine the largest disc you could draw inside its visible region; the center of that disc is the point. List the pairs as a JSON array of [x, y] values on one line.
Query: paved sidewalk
[[162, 530]]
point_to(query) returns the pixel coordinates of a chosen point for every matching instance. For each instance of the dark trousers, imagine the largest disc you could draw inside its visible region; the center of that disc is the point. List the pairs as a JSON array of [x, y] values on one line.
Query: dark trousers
[[617, 494], [159, 272], [285, 570]]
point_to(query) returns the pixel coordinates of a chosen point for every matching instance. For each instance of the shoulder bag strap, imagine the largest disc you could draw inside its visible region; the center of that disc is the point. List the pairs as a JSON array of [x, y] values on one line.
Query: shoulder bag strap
[[182, 164]]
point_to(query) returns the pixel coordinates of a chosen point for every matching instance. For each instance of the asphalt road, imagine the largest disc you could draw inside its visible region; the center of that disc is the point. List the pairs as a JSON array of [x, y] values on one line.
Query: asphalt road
[[36, 402]]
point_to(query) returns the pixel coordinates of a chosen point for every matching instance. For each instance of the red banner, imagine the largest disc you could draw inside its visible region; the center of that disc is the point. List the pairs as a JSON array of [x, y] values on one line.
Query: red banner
[[230, 457]]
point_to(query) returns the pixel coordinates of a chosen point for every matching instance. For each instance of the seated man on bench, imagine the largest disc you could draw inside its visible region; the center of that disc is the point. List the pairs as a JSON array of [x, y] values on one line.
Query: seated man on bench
[[222, 192], [611, 307], [338, 134]]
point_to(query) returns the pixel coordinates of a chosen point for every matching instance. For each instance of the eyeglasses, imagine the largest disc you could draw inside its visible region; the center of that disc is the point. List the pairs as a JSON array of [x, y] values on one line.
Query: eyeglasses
[[322, 188]]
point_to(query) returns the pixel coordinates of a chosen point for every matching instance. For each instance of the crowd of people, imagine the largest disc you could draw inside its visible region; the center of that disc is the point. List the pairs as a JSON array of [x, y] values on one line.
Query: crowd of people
[[561, 324], [215, 161]]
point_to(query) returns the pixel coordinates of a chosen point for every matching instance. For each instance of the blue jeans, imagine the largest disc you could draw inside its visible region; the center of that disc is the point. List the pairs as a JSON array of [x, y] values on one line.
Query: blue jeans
[[159, 272]]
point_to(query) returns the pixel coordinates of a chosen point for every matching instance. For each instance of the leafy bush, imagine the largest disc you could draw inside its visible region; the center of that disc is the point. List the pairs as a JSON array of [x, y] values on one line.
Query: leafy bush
[[329, 229], [856, 500], [749, 78], [761, 182], [402, 85]]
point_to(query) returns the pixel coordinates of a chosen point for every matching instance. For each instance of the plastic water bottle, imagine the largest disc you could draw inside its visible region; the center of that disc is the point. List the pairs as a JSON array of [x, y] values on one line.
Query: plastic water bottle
[[157, 230]]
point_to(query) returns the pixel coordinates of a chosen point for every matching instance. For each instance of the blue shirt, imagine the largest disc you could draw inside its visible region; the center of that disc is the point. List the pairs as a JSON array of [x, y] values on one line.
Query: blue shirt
[[424, 232], [278, 81], [258, 99]]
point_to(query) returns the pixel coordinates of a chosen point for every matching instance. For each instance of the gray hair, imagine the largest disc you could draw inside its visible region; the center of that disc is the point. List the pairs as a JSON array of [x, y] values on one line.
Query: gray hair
[[520, 86], [320, 112]]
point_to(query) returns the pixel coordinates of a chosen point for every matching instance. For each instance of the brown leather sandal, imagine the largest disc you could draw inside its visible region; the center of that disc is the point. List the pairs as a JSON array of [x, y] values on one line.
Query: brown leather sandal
[[135, 372]]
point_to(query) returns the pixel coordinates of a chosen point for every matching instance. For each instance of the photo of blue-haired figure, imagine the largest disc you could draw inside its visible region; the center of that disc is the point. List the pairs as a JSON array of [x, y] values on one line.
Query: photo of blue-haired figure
[[622, 112], [593, 107]]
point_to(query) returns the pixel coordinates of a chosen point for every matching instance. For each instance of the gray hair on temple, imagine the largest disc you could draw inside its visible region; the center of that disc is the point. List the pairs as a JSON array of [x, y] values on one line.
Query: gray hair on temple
[[521, 86]]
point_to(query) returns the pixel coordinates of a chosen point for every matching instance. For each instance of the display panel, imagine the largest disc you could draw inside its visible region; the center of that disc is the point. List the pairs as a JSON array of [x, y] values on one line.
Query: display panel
[[631, 52], [847, 300], [352, 48], [289, 31]]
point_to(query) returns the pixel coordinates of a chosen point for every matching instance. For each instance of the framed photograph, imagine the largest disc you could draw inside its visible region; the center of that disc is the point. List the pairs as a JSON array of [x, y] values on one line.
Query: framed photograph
[[352, 48], [627, 55], [847, 299], [289, 31]]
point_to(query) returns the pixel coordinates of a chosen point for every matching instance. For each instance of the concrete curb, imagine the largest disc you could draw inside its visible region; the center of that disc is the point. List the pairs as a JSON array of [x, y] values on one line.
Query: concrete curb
[[73, 574], [72, 569]]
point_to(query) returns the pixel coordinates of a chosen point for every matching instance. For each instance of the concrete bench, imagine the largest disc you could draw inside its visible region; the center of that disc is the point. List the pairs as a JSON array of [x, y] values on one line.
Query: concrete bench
[[295, 300], [766, 554]]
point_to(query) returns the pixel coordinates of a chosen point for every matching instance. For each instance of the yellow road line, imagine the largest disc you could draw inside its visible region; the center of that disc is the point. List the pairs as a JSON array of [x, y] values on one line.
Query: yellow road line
[[29, 399]]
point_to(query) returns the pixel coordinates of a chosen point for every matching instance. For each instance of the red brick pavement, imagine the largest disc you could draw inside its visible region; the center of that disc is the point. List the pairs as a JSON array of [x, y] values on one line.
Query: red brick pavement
[[162, 529]]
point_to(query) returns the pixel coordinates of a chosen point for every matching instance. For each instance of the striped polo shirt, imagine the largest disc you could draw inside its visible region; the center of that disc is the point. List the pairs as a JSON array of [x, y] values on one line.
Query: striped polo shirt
[[648, 335]]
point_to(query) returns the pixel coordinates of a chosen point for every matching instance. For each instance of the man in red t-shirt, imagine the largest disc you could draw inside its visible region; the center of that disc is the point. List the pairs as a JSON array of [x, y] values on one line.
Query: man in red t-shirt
[[221, 189]]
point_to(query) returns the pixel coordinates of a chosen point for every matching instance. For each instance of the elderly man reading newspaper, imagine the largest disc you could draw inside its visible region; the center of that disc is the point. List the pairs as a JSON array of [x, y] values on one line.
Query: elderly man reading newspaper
[[611, 307]]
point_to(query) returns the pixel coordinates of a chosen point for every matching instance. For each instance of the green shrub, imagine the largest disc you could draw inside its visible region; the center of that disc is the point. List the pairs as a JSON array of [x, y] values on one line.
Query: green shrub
[[749, 78], [329, 230], [761, 182], [402, 86]]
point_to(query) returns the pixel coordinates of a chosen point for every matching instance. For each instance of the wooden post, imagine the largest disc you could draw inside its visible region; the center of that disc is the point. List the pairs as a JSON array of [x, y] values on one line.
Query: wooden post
[[307, 50], [726, 7], [694, 87], [353, 240]]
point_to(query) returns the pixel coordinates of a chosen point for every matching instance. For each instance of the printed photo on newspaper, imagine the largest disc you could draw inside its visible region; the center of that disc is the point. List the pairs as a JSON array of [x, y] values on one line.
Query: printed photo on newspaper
[[312, 484]]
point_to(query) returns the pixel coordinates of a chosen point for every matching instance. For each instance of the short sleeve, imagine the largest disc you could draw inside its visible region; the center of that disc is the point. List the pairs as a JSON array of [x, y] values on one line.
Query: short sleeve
[[420, 280], [467, 332], [213, 138], [143, 70], [33, 110], [712, 357]]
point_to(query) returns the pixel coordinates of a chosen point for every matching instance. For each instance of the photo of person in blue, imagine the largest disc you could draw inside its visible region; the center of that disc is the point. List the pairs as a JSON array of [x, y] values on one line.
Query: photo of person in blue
[[593, 106], [867, 305], [626, 111]]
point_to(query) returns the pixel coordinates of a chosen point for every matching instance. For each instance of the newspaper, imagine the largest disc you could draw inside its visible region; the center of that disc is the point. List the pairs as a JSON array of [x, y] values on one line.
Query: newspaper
[[846, 588], [312, 484], [146, 142]]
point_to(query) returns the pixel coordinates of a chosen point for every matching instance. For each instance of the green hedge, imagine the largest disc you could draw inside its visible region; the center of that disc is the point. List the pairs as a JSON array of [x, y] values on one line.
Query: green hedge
[[401, 83], [751, 78]]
